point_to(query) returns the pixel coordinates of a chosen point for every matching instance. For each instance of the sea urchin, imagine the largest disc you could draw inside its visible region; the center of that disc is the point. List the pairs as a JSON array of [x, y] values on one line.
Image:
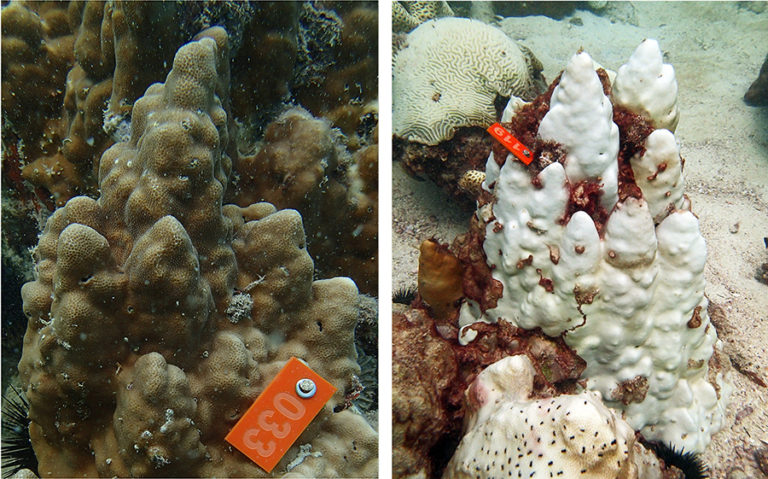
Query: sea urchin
[[17, 448]]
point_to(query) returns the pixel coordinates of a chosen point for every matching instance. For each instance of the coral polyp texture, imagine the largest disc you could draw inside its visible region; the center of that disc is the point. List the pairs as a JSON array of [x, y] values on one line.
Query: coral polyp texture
[[37, 52], [512, 434], [337, 75], [112, 66], [301, 165], [134, 362], [594, 241], [449, 74]]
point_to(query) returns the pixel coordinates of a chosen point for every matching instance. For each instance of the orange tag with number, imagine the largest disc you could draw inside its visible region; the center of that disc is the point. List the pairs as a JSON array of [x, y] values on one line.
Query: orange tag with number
[[522, 152], [280, 414]]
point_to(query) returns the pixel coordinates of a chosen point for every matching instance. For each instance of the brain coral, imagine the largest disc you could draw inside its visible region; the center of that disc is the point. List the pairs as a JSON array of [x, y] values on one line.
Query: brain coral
[[131, 365], [449, 75], [583, 249]]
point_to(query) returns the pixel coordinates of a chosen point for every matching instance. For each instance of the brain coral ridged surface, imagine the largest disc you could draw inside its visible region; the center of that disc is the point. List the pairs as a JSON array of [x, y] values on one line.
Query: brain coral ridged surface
[[448, 76], [131, 365]]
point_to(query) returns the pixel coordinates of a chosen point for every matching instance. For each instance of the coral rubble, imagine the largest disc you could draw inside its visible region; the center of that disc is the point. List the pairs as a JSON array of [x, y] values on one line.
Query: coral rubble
[[423, 371], [131, 364]]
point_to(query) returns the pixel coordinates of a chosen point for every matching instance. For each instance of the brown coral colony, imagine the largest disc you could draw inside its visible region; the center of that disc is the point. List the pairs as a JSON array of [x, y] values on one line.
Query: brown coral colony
[[165, 301]]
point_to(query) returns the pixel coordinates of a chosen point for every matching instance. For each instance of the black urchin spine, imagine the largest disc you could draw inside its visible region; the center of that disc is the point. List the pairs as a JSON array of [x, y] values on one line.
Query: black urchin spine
[[690, 463], [404, 295]]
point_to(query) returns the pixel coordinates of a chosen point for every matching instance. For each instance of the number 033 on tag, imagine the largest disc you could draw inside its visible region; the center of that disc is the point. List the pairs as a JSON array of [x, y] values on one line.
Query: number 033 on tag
[[280, 414]]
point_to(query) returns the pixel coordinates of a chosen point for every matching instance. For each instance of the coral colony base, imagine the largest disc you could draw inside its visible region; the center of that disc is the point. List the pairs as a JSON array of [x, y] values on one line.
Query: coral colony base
[[138, 357], [584, 266]]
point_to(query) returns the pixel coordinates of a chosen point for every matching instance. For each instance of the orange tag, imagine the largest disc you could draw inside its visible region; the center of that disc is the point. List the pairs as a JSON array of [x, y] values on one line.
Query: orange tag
[[280, 414], [522, 152]]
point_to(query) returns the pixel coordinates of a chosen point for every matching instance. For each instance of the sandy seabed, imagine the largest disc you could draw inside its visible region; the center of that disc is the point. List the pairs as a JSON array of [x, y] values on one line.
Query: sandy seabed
[[717, 49]]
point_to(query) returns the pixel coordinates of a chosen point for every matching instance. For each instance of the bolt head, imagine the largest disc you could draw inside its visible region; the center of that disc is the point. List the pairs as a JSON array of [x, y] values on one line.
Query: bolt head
[[306, 388]]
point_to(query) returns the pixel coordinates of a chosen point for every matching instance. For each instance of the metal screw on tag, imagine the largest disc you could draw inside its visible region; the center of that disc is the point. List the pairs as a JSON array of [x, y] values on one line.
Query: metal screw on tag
[[305, 388], [527, 153]]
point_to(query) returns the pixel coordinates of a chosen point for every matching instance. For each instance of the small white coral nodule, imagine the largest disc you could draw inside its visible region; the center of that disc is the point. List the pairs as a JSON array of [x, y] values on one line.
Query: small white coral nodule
[[510, 435]]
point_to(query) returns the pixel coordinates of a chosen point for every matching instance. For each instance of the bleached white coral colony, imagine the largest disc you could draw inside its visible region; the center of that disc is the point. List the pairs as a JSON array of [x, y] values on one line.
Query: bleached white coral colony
[[627, 295], [580, 118]]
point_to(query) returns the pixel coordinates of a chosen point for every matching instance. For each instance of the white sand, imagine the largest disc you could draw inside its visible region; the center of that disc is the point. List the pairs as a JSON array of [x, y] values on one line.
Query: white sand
[[717, 50]]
